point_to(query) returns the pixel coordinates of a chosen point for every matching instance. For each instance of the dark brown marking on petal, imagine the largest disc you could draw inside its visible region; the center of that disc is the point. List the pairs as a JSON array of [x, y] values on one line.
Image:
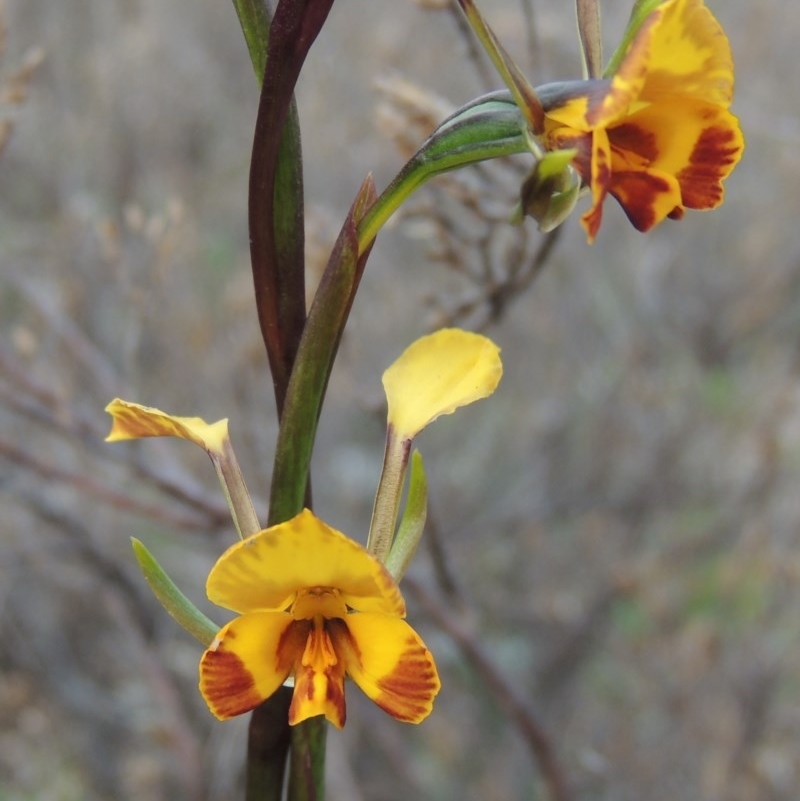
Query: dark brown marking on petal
[[636, 192], [411, 686], [603, 177], [337, 709], [715, 152], [226, 684], [629, 138], [292, 643]]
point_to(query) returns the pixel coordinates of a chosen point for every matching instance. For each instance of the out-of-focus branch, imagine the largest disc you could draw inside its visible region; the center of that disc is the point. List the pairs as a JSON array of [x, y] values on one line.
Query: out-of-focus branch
[[23, 395], [110, 497], [517, 708]]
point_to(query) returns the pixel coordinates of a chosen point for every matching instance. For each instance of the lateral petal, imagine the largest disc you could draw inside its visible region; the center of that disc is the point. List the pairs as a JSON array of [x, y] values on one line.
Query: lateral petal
[[673, 155], [267, 570], [248, 660], [388, 660]]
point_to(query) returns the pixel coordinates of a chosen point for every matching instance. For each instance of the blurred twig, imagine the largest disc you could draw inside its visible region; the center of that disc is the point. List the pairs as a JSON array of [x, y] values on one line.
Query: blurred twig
[[88, 486], [517, 708], [128, 605]]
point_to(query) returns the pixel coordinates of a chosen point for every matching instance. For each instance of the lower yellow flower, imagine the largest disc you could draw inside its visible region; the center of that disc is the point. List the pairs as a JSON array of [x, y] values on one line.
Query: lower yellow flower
[[316, 606], [657, 134]]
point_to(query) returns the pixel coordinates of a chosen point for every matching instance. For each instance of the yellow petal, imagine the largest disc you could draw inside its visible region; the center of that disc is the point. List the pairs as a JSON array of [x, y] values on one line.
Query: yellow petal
[[689, 54], [248, 660], [387, 659], [133, 421], [319, 681], [566, 105], [267, 570], [437, 374], [679, 50]]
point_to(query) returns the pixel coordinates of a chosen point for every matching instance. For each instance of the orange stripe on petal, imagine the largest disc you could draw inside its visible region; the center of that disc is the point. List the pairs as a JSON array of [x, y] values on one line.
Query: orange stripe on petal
[[319, 680], [389, 662], [227, 685], [248, 660]]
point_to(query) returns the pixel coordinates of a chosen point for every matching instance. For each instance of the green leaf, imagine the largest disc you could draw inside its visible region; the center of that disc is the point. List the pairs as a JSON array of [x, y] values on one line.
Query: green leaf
[[275, 204], [172, 599], [314, 362]]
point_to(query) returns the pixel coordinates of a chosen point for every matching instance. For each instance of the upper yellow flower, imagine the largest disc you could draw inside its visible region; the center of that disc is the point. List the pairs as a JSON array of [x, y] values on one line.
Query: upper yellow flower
[[316, 606], [657, 135]]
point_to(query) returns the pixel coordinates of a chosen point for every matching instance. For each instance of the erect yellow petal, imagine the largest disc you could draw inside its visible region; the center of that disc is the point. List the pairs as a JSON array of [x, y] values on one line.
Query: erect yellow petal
[[249, 659], [267, 570], [319, 681], [437, 374], [133, 421], [387, 659], [689, 54]]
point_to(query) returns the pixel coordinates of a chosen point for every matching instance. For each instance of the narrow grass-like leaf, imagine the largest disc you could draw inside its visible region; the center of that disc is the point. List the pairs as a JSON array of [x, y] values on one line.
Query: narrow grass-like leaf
[[172, 599], [318, 346]]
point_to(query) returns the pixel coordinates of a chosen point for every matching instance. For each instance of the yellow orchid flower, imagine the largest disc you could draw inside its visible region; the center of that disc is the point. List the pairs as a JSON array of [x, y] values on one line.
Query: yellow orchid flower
[[316, 606], [657, 134]]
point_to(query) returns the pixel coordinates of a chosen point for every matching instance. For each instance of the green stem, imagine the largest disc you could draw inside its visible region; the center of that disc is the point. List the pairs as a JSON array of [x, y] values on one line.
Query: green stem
[[387, 497], [267, 744], [307, 762], [412, 524], [235, 490], [487, 128]]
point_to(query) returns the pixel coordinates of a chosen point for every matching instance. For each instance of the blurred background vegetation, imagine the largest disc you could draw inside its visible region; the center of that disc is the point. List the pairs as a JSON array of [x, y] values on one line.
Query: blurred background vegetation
[[616, 531]]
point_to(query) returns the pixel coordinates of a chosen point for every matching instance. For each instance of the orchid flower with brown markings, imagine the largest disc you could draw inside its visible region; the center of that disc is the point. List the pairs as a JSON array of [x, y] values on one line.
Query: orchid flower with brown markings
[[314, 605], [654, 131], [657, 134]]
